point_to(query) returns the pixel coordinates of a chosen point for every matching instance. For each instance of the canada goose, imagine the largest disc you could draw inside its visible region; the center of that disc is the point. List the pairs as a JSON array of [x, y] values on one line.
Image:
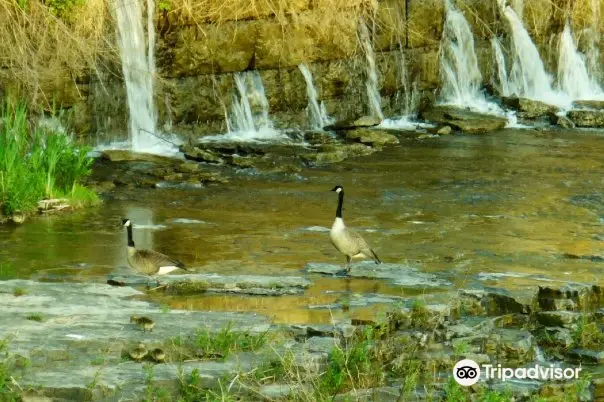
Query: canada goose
[[139, 352], [145, 322], [347, 241], [158, 355], [149, 262]]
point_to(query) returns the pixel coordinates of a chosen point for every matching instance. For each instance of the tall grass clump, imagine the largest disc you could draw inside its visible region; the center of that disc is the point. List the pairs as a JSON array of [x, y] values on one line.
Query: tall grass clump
[[38, 163]]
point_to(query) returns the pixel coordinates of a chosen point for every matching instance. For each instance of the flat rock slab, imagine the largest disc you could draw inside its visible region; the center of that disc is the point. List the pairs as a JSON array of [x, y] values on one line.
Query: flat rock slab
[[464, 120], [63, 327], [398, 274], [119, 155], [238, 284]]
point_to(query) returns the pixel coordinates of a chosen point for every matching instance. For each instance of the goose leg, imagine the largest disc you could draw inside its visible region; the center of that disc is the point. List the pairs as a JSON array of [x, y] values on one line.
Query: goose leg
[[348, 259]]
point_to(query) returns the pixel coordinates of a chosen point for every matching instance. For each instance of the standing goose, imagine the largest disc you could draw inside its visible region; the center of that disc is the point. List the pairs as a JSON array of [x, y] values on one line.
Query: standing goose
[[347, 241], [149, 262]]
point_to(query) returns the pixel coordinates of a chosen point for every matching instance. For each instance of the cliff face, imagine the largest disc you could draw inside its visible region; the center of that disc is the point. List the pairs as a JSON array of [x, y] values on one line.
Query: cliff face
[[200, 45]]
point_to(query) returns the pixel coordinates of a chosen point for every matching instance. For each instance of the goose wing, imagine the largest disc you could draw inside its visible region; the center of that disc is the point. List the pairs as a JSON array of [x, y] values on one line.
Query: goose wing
[[362, 245], [158, 259]]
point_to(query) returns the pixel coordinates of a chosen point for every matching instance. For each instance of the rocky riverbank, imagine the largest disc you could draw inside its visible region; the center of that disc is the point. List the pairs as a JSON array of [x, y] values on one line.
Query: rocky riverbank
[[75, 341]]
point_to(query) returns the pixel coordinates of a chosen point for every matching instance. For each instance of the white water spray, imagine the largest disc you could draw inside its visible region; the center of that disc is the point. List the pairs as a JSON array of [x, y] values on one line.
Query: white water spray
[[502, 75], [460, 75], [573, 77], [373, 93], [317, 115], [528, 77], [138, 67], [249, 119]]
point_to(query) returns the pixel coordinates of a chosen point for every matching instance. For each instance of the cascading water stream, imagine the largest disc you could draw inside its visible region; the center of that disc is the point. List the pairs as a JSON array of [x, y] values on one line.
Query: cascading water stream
[[502, 75], [138, 67], [573, 77], [317, 115], [460, 75], [373, 93], [249, 119], [528, 77]]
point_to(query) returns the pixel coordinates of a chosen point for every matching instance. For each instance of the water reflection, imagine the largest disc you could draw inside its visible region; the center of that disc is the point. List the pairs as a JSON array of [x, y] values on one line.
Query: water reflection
[[509, 202]]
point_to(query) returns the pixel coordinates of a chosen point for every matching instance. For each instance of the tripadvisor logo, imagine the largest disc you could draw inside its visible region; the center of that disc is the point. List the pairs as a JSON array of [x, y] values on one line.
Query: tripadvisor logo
[[467, 372]]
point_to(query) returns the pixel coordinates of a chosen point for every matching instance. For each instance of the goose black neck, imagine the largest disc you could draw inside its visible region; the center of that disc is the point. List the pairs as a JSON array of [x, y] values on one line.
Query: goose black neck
[[340, 202], [130, 241]]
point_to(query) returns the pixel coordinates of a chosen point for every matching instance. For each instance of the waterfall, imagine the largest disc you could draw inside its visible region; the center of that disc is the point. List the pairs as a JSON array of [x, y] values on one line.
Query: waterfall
[[502, 75], [573, 77], [317, 114], [373, 93], [411, 93], [460, 75], [249, 119], [528, 77], [138, 67]]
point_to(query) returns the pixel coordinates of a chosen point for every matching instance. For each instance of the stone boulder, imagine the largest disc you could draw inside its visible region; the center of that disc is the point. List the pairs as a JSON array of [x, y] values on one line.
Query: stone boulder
[[587, 118], [529, 108], [121, 155], [200, 155], [371, 137], [364, 121], [589, 104], [466, 121]]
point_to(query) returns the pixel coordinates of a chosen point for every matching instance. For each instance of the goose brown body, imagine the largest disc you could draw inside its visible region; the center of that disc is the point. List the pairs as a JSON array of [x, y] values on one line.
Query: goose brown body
[[149, 262], [346, 240]]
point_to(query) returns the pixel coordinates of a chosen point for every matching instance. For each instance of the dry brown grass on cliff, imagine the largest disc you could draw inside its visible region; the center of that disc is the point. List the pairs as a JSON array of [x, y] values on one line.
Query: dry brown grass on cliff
[[40, 52], [219, 11]]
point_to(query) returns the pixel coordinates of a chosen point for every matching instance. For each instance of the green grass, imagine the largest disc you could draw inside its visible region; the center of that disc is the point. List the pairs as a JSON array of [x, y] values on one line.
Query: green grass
[[38, 163], [35, 317], [226, 341], [9, 365], [7, 271], [19, 291]]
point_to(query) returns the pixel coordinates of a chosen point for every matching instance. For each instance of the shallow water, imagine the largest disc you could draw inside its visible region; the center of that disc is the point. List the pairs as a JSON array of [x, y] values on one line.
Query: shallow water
[[507, 209]]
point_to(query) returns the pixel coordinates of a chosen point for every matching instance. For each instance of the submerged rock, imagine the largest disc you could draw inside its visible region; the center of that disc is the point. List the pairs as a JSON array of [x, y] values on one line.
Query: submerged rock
[[399, 274], [119, 155], [238, 284], [589, 104], [587, 118], [82, 323], [371, 137], [530, 108], [364, 121], [464, 120]]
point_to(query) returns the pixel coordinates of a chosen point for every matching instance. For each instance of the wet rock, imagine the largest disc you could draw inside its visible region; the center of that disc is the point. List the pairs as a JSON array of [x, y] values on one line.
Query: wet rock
[[519, 390], [566, 319], [492, 303], [587, 356], [364, 121], [444, 130], [238, 284], [555, 337], [320, 137], [336, 153], [371, 137], [464, 120], [200, 155], [511, 345], [587, 118], [82, 321], [118, 155], [572, 296], [562, 121], [589, 104], [188, 167], [399, 274], [281, 391], [529, 108], [323, 344], [384, 394], [560, 391], [103, 186]]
